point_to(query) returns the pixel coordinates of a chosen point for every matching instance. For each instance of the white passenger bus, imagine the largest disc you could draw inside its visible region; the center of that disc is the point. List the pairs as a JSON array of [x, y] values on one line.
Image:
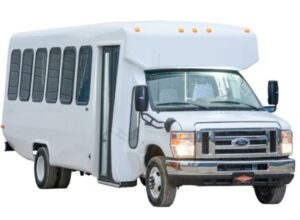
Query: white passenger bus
[[162, 102]]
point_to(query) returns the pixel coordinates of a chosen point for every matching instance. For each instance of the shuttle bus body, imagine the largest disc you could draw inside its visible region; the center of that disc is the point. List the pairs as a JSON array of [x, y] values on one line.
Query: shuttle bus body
[[159, 101]]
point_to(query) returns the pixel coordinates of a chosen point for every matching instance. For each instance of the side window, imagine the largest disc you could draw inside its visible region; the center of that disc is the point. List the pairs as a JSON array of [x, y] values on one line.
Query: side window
[[67, 77], [53, 75], [134, 123], [26, 74], [39, 75], [14, 74], [84, 75]]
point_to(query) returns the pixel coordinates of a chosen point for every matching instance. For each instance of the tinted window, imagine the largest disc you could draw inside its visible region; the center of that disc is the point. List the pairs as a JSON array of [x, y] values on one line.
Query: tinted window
[[26, 74], [39, 75], [134, 124], [67, 78], [14, 73], [53, 75], [84, 75]]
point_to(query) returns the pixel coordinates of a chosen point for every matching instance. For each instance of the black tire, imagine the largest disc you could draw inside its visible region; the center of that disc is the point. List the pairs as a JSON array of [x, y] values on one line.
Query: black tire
[[63, 178], [166, 192], [45, 174], [143, 180], [270, 194]]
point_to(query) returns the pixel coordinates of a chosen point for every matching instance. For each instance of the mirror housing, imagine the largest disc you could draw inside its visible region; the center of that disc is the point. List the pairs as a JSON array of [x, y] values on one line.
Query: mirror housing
[[141, 98], [273, 92]]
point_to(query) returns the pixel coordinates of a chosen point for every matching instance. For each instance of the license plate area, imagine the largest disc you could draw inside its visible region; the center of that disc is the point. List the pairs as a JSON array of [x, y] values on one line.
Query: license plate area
[[243, 178]]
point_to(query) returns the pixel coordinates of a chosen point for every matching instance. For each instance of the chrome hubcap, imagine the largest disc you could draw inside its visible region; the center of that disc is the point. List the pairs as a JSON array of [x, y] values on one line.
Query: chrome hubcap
[[40, 168], [155, 182]]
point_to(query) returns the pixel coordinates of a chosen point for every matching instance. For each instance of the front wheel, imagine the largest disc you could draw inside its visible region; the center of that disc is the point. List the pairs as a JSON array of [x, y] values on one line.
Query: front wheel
[[270, 194], [159, 190]]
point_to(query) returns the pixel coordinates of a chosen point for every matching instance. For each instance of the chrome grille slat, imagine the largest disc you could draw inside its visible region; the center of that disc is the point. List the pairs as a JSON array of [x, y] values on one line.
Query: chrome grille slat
[[262, 146], [240, 133], [232, 137], [240, 151]]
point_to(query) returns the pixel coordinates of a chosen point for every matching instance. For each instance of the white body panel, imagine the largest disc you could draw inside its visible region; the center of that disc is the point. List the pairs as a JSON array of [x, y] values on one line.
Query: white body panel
[[71, 132]]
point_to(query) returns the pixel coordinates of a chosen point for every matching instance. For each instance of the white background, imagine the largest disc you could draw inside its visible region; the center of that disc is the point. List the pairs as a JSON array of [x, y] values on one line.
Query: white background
[[277, 25]]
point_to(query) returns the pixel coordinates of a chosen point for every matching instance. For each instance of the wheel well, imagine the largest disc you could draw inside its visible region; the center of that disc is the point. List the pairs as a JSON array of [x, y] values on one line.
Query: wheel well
[[152, 151], [36, 146]]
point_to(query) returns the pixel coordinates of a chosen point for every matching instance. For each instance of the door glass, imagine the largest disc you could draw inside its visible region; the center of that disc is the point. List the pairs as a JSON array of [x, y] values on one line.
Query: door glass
[[105, 116]]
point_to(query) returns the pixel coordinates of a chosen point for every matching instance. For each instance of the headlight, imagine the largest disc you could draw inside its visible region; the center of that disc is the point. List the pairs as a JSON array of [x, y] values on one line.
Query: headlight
[[286, 142], [183, 144]]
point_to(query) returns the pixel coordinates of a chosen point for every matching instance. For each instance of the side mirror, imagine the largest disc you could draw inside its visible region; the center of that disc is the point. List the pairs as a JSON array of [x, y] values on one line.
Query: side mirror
[[141, 98], [273, 92]]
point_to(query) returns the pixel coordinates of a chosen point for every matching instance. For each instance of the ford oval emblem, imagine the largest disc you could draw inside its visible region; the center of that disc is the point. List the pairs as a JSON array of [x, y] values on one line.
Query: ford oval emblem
[[240, 142]]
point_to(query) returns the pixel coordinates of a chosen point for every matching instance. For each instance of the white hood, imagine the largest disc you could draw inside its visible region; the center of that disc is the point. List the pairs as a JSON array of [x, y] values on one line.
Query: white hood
[[224, 119]]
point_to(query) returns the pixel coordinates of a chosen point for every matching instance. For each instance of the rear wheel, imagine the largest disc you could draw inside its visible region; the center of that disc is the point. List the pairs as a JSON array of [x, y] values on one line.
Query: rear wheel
[[270, 194], [45, 174], [160, 192], [63, 178]]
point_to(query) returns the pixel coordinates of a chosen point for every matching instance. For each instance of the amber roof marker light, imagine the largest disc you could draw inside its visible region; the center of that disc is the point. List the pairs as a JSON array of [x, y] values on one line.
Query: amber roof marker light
[[181, 30], [208, 29], [247, 30], [137, 29]]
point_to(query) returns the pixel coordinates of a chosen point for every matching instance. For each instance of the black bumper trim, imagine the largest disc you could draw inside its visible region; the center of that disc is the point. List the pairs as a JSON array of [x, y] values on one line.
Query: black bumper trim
[[228, 180]]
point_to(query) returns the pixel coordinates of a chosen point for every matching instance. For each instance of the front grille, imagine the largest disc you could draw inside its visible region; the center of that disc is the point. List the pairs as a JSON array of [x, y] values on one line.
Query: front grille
[[226, 142], [231, 142]]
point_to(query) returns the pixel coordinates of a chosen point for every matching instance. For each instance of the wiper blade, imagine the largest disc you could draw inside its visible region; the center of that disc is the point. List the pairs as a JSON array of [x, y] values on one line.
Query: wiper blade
[[238, 103], [182, 103]]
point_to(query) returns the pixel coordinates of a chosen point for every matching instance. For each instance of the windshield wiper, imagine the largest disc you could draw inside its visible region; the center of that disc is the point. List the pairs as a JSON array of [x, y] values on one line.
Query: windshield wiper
[[238, 103], [182, 103]]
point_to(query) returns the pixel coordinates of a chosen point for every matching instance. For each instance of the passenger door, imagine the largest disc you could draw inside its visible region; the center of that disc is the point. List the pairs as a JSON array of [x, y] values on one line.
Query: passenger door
[[110, 57]]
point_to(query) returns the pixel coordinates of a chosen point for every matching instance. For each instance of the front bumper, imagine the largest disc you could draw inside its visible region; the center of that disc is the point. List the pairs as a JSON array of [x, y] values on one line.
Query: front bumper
[[223, 172]]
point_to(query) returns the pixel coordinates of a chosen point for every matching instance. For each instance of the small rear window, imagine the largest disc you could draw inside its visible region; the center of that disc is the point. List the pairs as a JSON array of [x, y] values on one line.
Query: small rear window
[[26, 74], [67, 77], [14, 74], [53, 75], [39, 75], [84, 75]]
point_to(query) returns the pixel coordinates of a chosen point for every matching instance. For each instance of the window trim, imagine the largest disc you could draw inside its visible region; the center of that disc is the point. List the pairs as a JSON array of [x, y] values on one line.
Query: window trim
[[59, 73], [25, 99], [76, 98], [9, 77], [62, 73], [45, 75]]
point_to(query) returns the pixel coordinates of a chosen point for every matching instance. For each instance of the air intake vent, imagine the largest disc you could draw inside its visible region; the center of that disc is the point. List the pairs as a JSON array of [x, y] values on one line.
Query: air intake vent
[[273, 141], [205, 142]]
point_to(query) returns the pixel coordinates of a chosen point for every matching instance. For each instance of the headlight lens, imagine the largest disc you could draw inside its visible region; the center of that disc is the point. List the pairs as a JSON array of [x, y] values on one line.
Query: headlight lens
[[286, 142], [183, 144]]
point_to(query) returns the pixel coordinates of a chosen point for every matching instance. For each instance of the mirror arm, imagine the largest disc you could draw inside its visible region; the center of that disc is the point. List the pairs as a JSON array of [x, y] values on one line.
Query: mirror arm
[[151, 120], [271, 108]]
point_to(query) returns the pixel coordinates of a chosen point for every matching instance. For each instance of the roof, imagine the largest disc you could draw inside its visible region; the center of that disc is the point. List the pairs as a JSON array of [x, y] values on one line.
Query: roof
[[160, 43]]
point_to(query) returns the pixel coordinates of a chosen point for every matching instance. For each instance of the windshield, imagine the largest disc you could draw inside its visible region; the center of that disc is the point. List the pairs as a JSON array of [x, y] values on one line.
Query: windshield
[[200, 90]]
